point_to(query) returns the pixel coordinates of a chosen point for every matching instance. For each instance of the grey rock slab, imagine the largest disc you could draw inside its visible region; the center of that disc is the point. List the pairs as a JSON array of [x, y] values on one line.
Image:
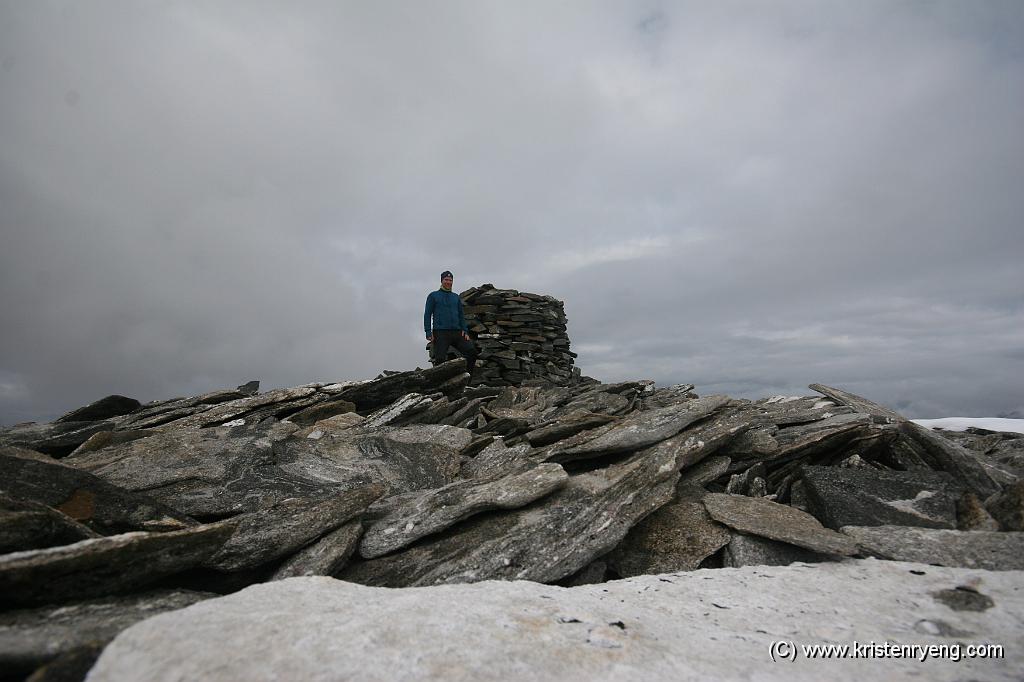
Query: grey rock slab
[[29, 525], [641, 429], [497, 459], [371, 395], [751, 550], [434, 510], [321, 410], [705, 471], [163, 411], [701, 625], [279, 400], [104, 408], [326, 556], [759, 516], [958, 461], [262, 536], [210, 472], [103, 566], [544, 541], [871, 497], [858, 403], [403, 458], [829, 434], [676, 537], [1007, 507], [964, 548], [401, 409], [569, 425], [84, 497], [52, 439], [104, 438], [31, 637]]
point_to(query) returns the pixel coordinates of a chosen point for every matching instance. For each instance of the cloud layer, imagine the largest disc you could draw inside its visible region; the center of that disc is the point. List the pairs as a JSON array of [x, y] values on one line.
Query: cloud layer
[[745, 196]]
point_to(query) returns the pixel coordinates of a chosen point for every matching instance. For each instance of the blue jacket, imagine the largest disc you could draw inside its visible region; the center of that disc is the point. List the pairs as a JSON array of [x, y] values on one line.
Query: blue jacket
[[446, 309]]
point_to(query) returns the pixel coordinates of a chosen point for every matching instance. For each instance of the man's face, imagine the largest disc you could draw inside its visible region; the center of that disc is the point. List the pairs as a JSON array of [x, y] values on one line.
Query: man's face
[[446, 282]]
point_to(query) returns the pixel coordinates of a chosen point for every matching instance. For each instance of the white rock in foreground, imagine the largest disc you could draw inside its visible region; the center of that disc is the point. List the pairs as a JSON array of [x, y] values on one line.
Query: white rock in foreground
[[707, 624]]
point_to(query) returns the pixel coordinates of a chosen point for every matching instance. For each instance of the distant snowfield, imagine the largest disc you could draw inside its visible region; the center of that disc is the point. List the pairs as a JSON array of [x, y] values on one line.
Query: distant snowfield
[[961, 423]]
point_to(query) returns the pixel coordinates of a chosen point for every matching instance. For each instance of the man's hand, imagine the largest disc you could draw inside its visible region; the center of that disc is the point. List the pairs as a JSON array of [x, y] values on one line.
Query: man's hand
[[465, 335], [430, 338]]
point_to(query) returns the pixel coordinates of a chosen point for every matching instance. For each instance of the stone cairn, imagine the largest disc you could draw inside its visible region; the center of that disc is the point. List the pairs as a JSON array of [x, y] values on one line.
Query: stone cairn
[[521, 336]]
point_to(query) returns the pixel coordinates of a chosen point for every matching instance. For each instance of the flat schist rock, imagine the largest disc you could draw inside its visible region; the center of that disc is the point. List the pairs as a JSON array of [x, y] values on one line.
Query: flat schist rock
[[966, 466], [204, 472], [103, 566], [762, 517], [641, 429], [701, 625], [497, 459], [262, 536], [84, 497], [403, 458], [31, 637], [544, 541], [871, 497], [52, 439], [251, 409], [751, 550], [163, 411], [326, 556], [432, 511], [29, 525], [104, 408], [970, 549], [371, 395]]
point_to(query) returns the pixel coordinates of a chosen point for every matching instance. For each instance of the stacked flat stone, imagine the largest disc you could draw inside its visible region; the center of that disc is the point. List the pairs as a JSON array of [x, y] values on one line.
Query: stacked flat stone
[[521, 336]]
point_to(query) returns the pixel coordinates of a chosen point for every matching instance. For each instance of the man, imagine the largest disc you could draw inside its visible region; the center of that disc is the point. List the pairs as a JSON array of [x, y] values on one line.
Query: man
[[449, 323]]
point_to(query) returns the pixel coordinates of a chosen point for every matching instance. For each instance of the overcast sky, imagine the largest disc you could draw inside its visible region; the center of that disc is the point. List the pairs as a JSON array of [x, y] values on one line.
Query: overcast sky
[[746, 196]]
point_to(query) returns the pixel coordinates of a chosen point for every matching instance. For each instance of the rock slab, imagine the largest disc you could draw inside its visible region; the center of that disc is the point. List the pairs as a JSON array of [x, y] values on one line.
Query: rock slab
[[707, 624]]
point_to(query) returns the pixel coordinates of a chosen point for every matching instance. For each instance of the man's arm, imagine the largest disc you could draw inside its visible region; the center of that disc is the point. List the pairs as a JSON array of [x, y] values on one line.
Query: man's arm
[[428, 310]]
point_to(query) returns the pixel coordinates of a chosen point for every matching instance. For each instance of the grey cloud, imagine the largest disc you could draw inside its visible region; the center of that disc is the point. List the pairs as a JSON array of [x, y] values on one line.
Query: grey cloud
[[742, 195]]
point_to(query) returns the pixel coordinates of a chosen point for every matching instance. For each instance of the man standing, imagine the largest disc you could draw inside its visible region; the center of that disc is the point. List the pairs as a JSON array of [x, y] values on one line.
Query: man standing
[[449, 323]]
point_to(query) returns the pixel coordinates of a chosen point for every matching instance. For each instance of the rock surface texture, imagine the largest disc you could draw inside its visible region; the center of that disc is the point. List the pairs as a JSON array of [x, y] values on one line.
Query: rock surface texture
[[708, 624], [527, 472]]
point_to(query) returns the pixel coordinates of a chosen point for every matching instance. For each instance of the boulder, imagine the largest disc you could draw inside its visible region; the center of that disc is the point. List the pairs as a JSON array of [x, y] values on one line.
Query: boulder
[[702, 625], [871, 497], [762, 517], [431, 511], [963, 548], [545, 541], [31, 637], [103, 566], [105, 508], [104, 408]]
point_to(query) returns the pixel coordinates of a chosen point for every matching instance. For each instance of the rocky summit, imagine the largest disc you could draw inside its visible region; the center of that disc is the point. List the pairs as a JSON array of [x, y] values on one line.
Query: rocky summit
[[545, 528]]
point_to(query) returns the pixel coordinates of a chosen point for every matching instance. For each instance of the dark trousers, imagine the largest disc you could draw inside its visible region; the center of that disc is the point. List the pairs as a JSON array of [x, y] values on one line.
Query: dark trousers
[[443, 338]]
